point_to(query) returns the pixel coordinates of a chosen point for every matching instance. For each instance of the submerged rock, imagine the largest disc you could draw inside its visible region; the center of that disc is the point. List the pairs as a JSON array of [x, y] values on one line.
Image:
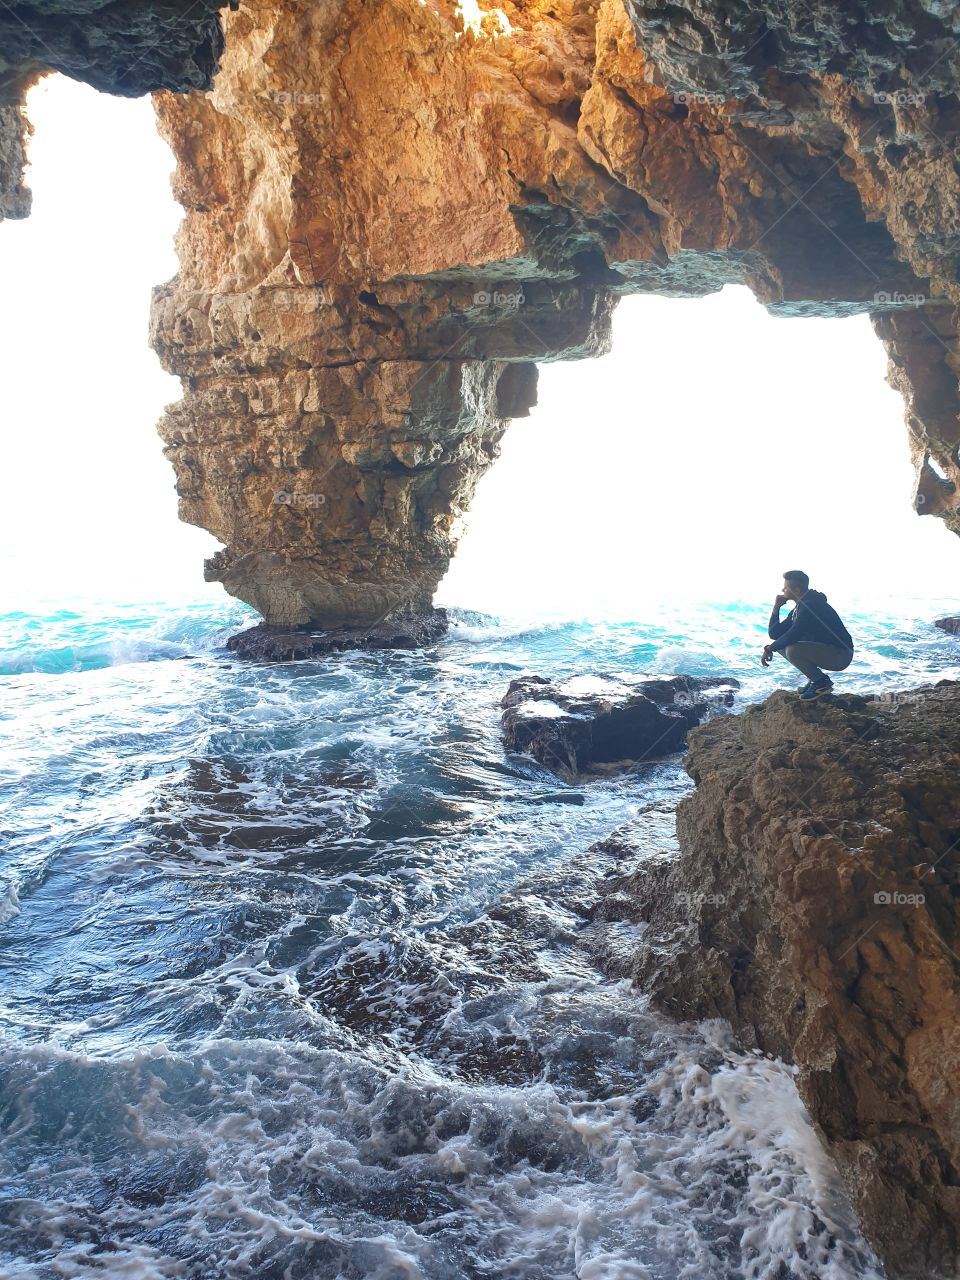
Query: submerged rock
[[266, 643], [575, 725], [814, 904]]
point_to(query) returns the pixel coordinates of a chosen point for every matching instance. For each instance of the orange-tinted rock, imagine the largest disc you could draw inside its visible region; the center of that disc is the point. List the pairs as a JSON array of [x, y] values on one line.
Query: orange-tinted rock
[[396, 184], [392, 210]]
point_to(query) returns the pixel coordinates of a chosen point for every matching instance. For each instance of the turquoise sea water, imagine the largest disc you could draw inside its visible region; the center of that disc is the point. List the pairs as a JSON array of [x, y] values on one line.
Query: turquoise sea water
[[295, 979]]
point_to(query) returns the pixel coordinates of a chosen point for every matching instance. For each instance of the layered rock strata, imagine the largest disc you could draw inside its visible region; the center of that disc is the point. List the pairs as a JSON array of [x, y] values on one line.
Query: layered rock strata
[[394, 208], [583, 724], [814, 904]]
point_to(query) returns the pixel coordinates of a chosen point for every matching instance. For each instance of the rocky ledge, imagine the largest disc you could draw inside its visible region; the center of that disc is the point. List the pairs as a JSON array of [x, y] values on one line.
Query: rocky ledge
[[579, 725], [267, 643], [814, 904]]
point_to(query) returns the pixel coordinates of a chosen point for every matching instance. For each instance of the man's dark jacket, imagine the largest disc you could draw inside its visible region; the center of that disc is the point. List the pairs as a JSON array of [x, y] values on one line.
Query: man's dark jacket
[[813, 619]]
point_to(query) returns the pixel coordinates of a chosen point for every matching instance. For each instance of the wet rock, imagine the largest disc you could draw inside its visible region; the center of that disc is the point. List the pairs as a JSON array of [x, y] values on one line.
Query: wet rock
[[949, 624], [578, 725], [813, 904], [267, 643]]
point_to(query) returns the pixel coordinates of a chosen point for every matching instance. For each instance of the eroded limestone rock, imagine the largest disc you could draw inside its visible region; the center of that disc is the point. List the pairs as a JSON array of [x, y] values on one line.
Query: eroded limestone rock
[[393, 210], [814, 905], [336, 489]]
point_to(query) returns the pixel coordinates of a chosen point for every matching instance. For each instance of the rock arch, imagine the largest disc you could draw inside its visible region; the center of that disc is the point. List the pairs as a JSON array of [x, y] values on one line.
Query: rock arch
[[394, 208], [392, 212]]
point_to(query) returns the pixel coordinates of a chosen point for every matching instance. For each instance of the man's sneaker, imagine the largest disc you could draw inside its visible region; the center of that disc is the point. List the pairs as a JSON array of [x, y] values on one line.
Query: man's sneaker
[[817, 690], [805, 691]]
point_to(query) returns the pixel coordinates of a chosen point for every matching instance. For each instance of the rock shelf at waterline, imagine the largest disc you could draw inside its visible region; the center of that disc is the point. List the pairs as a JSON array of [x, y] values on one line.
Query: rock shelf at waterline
[[269, 643]]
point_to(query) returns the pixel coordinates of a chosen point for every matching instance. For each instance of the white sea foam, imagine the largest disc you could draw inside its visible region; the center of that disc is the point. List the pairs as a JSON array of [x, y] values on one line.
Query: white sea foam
[[278, 1155], [9, 902], [298, 986]]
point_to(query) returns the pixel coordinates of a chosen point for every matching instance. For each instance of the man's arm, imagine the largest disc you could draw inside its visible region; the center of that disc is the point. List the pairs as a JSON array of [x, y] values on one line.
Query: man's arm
[[776, 628], [791, 630]]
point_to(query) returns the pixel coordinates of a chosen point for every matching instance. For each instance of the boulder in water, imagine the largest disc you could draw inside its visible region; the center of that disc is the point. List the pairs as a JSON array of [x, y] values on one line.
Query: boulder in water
[[581, 724]]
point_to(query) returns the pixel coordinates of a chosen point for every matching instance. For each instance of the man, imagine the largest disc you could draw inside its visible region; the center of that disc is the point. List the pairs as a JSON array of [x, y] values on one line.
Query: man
[[811, 637]]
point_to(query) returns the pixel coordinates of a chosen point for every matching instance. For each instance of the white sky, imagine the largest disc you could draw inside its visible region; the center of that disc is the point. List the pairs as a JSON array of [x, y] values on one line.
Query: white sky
[[713, 448]]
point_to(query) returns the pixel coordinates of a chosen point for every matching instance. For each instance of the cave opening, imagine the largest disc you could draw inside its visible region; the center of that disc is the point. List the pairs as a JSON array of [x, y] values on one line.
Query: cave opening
[[713, 445], [93, 510]]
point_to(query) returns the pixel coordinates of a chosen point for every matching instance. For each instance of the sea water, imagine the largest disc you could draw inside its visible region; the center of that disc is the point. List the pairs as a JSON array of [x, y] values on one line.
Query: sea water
[[297, 979]]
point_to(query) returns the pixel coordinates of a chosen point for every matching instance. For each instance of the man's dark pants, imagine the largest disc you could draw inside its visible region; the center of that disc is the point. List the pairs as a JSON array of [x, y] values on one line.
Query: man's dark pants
[[813, 658]]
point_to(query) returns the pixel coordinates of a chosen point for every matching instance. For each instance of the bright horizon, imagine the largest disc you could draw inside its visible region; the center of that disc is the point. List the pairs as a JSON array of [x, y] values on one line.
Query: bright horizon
[[715, 446]]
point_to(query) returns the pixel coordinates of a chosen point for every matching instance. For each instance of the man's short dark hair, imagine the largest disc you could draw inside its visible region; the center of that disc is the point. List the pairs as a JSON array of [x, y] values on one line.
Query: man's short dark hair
[[797, 576]]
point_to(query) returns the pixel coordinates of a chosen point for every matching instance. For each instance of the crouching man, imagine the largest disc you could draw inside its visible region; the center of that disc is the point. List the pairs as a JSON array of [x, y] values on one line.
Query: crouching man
[[811, 637]]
